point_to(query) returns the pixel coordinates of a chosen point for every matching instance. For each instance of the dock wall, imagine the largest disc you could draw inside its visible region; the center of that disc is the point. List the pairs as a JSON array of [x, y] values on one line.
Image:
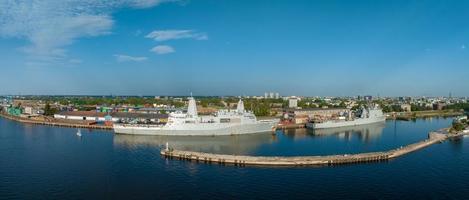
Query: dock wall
[[70, 125]]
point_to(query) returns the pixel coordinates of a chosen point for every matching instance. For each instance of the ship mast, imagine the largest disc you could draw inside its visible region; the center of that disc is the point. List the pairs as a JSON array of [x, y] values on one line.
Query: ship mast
[[192, 107], [240, 106]]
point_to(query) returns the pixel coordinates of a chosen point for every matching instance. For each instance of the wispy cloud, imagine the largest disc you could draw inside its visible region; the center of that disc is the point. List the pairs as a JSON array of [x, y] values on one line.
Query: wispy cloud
[[51, 25], [163, 49], [126, 58], [137, 32], [164, 35], [147, 3], [75, 61]]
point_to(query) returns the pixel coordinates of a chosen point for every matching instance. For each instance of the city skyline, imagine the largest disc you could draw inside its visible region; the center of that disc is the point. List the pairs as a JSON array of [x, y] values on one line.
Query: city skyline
[[221, 48]]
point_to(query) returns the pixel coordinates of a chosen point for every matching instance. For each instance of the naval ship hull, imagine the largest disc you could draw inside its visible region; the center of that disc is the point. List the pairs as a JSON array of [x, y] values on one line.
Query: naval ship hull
[[337, 124], [197, 129]]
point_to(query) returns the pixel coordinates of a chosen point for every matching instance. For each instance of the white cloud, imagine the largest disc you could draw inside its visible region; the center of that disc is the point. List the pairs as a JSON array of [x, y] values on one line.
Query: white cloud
[[147, 3], [162, 49], [126, 58], [163, 35], [51, 25]]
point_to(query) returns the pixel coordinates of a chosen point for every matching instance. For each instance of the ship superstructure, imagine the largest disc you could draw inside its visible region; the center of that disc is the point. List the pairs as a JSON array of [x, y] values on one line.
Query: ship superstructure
[[373, 114], [223, 122]]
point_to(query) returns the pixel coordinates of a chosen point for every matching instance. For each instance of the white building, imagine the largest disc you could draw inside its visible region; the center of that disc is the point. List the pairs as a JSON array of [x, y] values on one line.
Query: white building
[[32, 111], [29, 110], [293, 102], [115, 117], [271, 95]]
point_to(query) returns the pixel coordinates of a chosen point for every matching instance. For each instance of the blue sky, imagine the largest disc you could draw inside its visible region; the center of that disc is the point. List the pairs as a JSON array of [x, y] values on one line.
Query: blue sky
[[164, 47]]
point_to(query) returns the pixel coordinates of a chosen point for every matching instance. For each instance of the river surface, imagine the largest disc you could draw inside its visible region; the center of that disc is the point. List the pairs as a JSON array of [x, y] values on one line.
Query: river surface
[[42, 162]]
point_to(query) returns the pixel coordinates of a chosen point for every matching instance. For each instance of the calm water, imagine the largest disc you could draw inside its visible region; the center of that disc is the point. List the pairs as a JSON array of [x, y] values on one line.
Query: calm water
[[40, 162]]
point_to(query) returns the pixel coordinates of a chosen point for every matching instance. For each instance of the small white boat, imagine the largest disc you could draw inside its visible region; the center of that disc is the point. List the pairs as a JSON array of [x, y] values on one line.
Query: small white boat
[[79, 133]]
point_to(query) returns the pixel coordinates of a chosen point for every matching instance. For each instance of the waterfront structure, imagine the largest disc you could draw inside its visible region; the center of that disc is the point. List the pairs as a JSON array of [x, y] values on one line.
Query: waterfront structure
[[223, 122], [14, 111], [114, 117], [367, 116], [32, 111], [302, 116], [433, 137], [81, 115]]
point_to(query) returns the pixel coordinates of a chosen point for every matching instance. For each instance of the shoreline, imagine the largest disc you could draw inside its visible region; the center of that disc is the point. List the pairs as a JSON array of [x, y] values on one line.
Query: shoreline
[[59, 124], [407, 116]]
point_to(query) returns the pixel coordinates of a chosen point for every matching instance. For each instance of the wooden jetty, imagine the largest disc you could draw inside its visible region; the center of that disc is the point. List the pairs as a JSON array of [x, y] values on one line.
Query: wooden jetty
[[242, 160]]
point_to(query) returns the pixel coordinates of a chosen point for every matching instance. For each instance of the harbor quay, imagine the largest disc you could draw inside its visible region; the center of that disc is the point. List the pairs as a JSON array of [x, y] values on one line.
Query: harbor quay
[[54, 123], [328, 160]]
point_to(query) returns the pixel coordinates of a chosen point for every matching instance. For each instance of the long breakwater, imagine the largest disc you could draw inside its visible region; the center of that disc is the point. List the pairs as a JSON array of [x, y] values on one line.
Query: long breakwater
[[242, 160]]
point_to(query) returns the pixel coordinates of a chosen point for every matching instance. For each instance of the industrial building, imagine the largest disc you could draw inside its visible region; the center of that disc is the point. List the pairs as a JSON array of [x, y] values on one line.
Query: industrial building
[[33, 111], [114, 117], [300, 116]]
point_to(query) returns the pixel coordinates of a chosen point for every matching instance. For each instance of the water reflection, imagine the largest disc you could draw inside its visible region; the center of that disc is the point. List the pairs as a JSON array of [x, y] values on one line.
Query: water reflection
[[247, 144], [457, 143], [240, 144], [364, 132], [297, 134]]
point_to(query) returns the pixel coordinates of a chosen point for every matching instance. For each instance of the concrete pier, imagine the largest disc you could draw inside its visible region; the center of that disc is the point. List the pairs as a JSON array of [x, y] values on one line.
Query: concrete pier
[[303, 160]]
